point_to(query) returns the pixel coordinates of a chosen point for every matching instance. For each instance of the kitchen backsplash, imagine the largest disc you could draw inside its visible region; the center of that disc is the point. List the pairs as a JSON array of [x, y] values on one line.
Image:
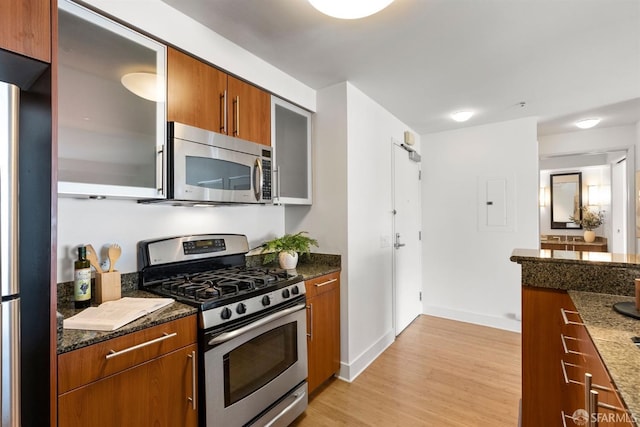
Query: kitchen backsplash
[[125, 222]]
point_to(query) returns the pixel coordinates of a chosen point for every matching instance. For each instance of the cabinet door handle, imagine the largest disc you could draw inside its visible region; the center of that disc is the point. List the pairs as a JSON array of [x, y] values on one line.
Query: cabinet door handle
[[328, 282], [564, 345], [192, 399], [278, 181], [223, 112], [160, 174], [566, 320], [236, 117], [568, 380], [593, 408], [310, 333], [165, 336]]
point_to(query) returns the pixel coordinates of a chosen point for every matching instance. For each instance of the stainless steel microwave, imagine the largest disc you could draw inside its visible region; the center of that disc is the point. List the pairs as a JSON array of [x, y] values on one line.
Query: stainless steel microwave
[[209, 167]]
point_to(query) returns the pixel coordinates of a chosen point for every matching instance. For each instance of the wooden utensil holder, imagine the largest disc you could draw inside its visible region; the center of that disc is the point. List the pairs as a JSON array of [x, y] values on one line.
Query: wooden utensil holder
[[108, 287]]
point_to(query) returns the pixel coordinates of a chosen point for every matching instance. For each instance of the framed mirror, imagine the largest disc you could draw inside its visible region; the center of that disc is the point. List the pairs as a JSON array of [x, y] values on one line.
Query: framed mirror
[[566, 199]]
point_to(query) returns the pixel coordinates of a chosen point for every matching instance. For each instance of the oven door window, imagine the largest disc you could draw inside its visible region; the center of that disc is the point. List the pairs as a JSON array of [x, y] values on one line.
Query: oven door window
[[256, 362], [217, 174]]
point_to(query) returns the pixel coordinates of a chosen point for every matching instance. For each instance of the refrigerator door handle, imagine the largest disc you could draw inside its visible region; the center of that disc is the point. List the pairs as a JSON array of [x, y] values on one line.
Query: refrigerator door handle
[[10, 362], [9, 100]]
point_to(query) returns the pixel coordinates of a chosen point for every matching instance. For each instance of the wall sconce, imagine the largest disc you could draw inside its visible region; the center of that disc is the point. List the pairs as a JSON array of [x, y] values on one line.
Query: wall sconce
[[543, 197], [593, 193]]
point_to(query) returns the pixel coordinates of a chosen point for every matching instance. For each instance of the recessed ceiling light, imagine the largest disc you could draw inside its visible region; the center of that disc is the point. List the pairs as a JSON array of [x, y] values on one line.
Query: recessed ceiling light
[[461, 116], [350, 9], [587, 123]]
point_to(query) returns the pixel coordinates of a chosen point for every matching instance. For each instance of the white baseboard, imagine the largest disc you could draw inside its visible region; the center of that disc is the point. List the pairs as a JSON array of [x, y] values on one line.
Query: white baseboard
[[349, 371], [506, 323]]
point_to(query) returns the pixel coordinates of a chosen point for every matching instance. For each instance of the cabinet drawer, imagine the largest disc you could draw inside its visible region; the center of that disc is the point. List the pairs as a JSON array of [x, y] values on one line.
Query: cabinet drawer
[[322, 284], [88, 364]]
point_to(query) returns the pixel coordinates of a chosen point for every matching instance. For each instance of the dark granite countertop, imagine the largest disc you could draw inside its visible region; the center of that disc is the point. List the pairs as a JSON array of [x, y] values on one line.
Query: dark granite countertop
[[599, 272], [611, 333], [576, 257], [73, 339], [309, 267]]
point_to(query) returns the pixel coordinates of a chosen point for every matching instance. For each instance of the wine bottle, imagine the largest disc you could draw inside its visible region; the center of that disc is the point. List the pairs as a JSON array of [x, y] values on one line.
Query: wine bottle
[[82, 279]]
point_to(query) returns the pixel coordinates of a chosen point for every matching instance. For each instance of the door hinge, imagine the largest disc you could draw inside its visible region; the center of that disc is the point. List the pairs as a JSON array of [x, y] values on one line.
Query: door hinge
[[420, 295], [419, 175], [419, 235]]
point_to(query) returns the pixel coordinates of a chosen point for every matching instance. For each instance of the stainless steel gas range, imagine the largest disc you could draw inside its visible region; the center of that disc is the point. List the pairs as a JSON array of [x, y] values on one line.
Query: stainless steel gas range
[[252, 327]]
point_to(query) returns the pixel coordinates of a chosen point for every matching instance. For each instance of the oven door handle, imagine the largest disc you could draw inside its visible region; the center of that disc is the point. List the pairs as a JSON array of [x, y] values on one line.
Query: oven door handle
[[227, 336]]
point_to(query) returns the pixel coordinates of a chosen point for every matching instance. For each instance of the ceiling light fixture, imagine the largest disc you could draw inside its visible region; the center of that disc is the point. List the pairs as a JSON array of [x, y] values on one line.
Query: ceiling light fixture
[[145, 85], [587, 123], [461, 116], [350, 9]]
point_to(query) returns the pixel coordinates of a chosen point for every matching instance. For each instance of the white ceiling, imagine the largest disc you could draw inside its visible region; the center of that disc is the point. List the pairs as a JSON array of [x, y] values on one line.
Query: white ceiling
[[422, 59]]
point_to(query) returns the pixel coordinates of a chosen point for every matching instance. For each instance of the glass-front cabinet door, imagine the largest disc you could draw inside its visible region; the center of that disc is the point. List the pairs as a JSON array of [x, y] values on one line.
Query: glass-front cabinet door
[[291, 139], [112, 114]]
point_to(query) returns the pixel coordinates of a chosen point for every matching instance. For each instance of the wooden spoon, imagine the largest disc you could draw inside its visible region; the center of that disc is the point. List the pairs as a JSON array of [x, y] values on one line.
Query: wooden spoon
[[92, 256], [113, 253]]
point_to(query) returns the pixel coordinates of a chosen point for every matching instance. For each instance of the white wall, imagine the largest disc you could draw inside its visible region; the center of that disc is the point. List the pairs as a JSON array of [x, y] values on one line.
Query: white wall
[[352, 210], [585, 141], [467, 274], [125, 222], [171, 26]]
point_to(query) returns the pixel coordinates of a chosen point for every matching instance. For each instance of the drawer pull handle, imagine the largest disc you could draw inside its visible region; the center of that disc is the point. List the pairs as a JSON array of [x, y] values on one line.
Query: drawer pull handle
[[567, 380], [328, 282], [566, 320], [564, 345], [564, 417], [113, 353], [192, 399], [611, 407]]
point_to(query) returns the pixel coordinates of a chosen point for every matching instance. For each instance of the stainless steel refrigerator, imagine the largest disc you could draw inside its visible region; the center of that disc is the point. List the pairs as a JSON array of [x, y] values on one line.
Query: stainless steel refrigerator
[[9, 267]]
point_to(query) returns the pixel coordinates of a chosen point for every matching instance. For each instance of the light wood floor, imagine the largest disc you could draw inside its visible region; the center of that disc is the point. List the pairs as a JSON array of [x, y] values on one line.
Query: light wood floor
[[438, 372]]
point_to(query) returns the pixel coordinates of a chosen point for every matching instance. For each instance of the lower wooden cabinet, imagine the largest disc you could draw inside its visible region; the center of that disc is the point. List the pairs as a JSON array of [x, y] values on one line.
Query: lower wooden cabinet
[[161, 390], [323, 328], [557, 355]]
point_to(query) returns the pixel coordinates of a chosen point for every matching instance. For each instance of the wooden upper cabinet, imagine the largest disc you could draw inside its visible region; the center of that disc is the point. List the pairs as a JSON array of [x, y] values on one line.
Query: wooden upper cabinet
[[25, 28], [249, 112], [195, 92], [202, 96]]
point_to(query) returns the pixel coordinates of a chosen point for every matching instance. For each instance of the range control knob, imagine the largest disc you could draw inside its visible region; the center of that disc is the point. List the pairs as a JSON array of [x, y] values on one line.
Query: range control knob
[[266, 300], [285, 293], [295, 290], [241, 308], [226, 313]]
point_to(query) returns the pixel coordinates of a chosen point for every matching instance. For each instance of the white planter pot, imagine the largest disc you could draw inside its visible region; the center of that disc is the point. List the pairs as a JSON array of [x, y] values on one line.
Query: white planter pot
[[288, 260], [589, 236]]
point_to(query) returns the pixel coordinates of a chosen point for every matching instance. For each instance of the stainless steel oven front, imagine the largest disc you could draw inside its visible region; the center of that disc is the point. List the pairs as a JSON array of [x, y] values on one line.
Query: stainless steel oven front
[[205, 166], [255, 373]]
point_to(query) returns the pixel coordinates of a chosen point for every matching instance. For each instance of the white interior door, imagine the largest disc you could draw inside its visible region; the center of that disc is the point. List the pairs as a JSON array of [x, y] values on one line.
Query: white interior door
[[407, 247]]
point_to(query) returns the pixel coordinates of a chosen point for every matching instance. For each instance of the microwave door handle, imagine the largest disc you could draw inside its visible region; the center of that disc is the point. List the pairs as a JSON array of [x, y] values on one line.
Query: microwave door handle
[[257, 179]]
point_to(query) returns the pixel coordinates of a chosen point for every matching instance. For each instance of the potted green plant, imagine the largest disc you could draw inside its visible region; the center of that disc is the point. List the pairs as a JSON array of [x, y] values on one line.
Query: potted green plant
[[590, 220], [287, 248]]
